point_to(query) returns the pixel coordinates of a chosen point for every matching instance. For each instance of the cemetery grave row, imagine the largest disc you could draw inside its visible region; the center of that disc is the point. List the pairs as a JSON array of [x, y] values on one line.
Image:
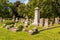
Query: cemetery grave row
[[43, 22], [37, 21]]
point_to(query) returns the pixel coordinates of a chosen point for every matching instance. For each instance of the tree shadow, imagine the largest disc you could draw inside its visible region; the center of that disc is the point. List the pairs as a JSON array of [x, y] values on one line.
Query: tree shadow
[[35, 33], [49, 28], [45, 29]]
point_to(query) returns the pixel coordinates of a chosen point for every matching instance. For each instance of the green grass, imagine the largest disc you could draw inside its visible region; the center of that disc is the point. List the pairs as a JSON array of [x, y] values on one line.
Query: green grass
[[51, 34]]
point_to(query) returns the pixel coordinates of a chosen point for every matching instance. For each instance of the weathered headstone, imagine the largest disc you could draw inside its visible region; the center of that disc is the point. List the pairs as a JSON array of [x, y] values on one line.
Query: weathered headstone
[[36, 17], [46, 23], [41, 22], [57, 20]]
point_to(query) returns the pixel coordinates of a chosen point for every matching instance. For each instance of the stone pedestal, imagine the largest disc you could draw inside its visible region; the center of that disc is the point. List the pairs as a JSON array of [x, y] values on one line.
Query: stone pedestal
[[41, 22], [36, 17]]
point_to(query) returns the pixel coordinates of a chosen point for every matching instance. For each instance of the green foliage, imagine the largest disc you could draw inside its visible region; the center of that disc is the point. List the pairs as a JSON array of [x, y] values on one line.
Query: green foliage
[[4, 10], [48, 8]]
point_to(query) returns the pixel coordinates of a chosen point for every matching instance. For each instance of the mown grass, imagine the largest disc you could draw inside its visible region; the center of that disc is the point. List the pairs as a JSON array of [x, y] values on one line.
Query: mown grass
[[50, 34]]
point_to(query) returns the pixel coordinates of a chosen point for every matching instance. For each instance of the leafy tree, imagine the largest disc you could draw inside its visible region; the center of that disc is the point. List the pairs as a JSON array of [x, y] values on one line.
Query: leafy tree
[[48, 8], [17, 9], [4, 8]]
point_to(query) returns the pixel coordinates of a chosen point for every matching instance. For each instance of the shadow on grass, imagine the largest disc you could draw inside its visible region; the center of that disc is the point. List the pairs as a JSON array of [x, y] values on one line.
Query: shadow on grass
[[49, 28], [35, 33], [46, 29]]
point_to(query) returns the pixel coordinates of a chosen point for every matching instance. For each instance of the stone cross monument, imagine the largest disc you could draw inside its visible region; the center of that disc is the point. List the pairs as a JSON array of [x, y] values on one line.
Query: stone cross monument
[[36, 17]]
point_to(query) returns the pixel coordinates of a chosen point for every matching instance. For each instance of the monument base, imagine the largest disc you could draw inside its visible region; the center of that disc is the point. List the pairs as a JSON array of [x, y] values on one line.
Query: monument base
[[36, 24]]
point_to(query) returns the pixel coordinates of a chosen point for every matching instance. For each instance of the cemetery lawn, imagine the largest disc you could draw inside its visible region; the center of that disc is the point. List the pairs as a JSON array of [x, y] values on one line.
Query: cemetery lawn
[[51, 34]]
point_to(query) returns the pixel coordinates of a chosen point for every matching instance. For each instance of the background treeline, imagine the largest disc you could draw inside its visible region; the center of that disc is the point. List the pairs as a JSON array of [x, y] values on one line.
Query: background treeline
[[48, 8]]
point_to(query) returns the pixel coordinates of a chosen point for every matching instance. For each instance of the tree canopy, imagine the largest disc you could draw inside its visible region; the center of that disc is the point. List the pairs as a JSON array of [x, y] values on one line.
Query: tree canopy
[[48, 8]]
